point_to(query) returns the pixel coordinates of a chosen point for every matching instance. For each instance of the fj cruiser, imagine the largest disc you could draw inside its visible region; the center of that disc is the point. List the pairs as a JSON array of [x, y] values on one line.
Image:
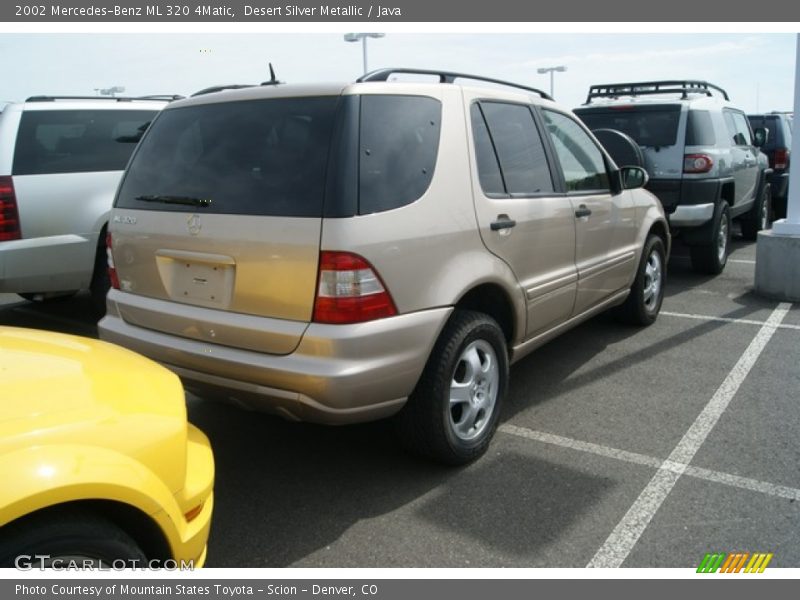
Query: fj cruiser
[[61, 159], [701, 155], [343, 253]]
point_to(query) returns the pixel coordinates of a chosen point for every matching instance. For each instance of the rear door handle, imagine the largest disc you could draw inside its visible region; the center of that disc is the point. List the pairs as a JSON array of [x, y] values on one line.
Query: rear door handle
[[503, 222], [582, 211]]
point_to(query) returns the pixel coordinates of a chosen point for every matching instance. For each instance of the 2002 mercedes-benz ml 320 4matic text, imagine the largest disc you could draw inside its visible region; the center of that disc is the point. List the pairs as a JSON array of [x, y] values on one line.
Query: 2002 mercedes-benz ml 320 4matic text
[[346, 253]]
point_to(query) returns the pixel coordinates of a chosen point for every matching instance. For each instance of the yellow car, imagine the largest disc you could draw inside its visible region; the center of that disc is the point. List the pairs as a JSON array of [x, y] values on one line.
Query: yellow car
[[98, 464]]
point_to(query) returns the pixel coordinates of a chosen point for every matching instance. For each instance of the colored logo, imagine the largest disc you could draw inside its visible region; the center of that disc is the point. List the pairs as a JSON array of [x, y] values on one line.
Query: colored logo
[[734, 562]]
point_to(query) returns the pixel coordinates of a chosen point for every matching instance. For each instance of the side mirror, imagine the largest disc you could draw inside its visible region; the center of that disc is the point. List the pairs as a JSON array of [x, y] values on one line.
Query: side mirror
[[633, 177], [760, 136]]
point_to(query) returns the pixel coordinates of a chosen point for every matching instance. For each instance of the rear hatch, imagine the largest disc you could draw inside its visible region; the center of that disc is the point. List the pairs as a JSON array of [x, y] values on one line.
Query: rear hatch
[[218, 219], [655, 127]]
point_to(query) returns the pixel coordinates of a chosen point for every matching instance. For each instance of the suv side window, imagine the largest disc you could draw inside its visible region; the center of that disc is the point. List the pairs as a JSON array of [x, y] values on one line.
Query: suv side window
[[699, 129], [398, 149], [77, 141], [581, 160], [738, 129], [509, 150]]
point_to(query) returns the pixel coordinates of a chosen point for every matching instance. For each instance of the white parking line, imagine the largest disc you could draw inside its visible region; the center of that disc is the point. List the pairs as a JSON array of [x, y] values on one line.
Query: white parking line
[[742, 261], [725, 320], [736, 481], [628, 531]]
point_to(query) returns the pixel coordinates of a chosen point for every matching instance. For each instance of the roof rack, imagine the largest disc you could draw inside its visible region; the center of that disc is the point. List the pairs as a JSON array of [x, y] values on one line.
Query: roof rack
[[446, 77], [238, 86], [643, 88], [167, 97]]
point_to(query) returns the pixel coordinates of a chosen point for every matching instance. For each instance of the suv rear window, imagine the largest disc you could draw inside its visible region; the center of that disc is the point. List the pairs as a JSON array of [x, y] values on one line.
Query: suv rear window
[[652, 126], [776, 135], [77, 141], [254, 157], [294, 157]]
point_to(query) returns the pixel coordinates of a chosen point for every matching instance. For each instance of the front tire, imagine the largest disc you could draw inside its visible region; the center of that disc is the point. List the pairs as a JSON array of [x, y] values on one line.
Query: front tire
[[712, 258], [454, 409], [66, 536], [647, 292]]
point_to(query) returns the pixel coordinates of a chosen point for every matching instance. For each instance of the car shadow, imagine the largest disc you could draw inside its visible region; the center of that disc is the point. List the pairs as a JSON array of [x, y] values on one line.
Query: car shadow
[[285, 492]]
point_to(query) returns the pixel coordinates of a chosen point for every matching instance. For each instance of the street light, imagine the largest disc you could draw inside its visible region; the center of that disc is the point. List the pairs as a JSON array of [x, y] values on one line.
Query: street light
[[551, 70], [354, 37]]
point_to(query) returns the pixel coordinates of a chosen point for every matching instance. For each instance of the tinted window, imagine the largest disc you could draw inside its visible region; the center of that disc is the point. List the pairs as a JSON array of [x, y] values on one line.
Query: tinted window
[[738, 129], [779, 136], [580, 158], [488, 167], [699, 129], [77, 141], [398, 149], [519, 148], [651, 126], [260, 157]]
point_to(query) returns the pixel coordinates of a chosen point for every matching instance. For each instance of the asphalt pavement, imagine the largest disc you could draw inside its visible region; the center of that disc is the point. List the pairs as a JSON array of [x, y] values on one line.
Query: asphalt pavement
[[618, 446]]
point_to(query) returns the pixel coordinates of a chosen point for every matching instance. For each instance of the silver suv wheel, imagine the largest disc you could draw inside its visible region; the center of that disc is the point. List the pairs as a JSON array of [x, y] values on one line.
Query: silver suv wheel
[[473, 391], [454, 409]]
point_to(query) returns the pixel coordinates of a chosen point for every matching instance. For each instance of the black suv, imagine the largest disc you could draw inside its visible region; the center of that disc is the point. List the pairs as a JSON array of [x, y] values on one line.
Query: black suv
[[778, 147]]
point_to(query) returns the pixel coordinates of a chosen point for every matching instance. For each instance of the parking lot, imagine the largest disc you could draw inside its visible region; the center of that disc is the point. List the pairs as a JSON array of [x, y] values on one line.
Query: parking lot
[[618, 446]]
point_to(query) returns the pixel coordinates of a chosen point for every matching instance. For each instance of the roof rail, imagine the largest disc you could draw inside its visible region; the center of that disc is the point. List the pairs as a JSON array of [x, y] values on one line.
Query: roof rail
[[446, 77], [238, 86], [643, 88], [167, 97], [219, 88]]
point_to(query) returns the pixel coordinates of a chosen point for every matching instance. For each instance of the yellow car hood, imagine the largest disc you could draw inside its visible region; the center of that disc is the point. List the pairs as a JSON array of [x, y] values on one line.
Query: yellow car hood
[[62, 389]]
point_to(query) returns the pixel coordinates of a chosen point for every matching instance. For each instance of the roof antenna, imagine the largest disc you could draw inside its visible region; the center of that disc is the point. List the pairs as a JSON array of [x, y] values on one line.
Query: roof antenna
[[272, 79]]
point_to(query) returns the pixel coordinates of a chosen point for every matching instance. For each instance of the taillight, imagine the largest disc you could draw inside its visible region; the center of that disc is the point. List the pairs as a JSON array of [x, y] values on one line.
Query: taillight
[[697, 163], [112, 270], [349, 291], [781, 159], [9, 216]]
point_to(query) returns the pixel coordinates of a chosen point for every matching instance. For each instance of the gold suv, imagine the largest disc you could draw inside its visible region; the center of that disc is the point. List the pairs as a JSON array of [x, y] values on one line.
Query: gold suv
[[343, 253]]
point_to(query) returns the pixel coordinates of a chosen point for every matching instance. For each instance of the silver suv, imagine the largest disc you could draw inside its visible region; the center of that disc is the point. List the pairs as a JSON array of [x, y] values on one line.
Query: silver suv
[[344, 253], [702, 157], [61, 159]]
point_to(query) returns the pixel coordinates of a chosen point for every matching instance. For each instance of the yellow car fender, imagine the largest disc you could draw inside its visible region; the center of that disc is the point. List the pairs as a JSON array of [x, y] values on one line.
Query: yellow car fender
[[50, 475]]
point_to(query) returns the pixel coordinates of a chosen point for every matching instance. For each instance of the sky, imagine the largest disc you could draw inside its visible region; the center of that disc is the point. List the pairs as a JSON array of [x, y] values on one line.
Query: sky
[[756, 69]]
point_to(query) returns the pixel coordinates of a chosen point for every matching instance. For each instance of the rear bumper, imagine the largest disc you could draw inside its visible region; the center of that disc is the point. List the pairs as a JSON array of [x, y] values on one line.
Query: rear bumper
[[691, 215], [338, 373], [47, 264]]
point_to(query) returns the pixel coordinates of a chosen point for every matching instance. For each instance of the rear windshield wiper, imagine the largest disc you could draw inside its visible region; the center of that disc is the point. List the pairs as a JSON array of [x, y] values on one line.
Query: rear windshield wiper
[[166, 199]]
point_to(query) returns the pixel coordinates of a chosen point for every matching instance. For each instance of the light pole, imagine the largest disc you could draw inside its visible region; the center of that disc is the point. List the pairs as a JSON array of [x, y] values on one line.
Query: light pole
[[551, 70], [354, 37]]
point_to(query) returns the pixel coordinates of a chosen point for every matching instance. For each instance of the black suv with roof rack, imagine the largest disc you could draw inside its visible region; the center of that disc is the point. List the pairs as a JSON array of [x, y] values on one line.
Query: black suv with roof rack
[[701, 154], [778, 149]]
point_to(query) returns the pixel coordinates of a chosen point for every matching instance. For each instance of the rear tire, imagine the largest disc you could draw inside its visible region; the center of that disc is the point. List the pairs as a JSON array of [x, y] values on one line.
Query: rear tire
[[711, 258], [760, 215], [647, 292], [454, 409], [69, 535]]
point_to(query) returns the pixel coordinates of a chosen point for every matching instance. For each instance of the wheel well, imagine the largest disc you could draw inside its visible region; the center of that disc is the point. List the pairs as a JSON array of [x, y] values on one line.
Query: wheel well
[[726, 193], [660, 230], [138, 525], [490, 299]]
